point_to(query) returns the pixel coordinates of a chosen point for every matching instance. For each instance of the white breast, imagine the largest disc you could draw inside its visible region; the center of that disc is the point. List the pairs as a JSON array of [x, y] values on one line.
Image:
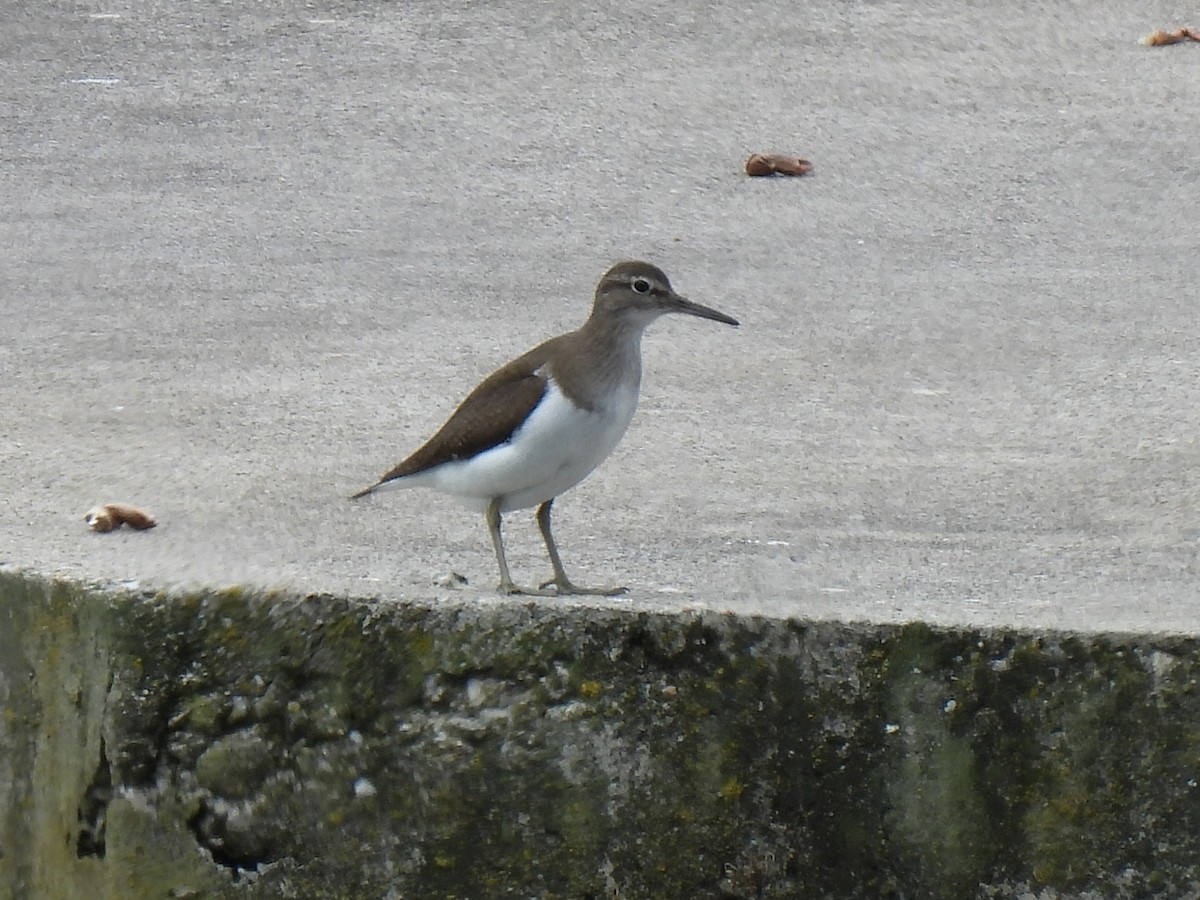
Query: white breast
[[556, 448]]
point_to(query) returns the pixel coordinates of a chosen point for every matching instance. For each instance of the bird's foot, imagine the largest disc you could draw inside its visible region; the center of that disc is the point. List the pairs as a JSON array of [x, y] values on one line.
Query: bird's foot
[[564, 586], [509, 588]]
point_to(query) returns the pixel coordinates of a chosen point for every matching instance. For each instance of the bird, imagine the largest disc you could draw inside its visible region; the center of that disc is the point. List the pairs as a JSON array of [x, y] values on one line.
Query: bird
[[541, 423]]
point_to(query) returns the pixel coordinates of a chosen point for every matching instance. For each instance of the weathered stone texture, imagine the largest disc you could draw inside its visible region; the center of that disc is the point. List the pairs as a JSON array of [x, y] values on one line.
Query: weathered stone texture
[[234, 744]]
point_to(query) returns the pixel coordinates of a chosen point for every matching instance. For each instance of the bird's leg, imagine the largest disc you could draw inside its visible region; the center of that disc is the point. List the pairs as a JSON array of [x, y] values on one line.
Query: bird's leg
[[561, 582], [506, 586]]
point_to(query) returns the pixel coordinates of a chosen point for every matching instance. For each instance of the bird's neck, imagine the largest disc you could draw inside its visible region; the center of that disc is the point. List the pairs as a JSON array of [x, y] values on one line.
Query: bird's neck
[[600, 361]]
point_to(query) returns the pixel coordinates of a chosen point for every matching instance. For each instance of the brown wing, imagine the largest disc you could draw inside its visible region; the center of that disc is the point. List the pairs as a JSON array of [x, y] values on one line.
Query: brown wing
[[487, 417]]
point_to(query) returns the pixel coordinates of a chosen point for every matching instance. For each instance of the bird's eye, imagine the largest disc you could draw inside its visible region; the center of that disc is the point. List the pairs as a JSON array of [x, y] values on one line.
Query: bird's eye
[[640, 285]]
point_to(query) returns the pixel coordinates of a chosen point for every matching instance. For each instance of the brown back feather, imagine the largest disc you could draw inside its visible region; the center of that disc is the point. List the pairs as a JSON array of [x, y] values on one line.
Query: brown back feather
[[486, 418]]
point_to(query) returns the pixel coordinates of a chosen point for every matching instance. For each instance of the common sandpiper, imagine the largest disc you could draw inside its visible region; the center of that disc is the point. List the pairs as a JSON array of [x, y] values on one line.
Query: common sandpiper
[[539, 425]]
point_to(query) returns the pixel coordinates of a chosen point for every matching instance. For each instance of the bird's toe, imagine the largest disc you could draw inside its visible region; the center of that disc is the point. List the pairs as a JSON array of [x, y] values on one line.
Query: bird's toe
[[566, 587]]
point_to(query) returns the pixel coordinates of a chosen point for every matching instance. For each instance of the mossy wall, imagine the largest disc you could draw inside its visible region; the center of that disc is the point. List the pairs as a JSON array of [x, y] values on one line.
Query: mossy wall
[[245, 745]]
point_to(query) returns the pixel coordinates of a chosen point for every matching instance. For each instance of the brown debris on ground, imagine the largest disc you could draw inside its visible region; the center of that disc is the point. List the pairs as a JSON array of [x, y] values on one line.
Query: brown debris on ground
[[1162, 38], [112, 516], [760, 164]]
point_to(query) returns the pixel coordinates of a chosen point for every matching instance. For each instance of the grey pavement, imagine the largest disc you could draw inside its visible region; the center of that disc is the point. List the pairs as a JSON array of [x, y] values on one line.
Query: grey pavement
[[255, 253]]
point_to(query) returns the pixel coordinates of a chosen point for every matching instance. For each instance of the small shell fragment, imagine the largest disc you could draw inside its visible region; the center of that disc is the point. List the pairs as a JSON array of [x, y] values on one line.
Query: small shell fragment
[[449, 579], [111, 516], [776, 164], [1162, 38]]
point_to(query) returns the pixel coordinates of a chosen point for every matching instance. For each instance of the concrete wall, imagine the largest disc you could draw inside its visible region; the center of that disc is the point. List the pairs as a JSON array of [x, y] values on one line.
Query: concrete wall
[[245, 745]]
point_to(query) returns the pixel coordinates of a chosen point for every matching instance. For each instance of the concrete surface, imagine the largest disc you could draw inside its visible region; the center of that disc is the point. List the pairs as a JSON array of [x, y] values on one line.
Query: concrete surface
[[255, 253]]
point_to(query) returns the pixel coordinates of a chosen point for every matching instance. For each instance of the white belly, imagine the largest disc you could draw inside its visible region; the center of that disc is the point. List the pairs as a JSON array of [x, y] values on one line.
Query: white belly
[[556, 448]]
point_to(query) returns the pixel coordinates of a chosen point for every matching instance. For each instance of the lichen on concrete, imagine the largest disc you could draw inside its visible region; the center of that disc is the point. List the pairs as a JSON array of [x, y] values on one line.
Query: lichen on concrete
[[243, 744]]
